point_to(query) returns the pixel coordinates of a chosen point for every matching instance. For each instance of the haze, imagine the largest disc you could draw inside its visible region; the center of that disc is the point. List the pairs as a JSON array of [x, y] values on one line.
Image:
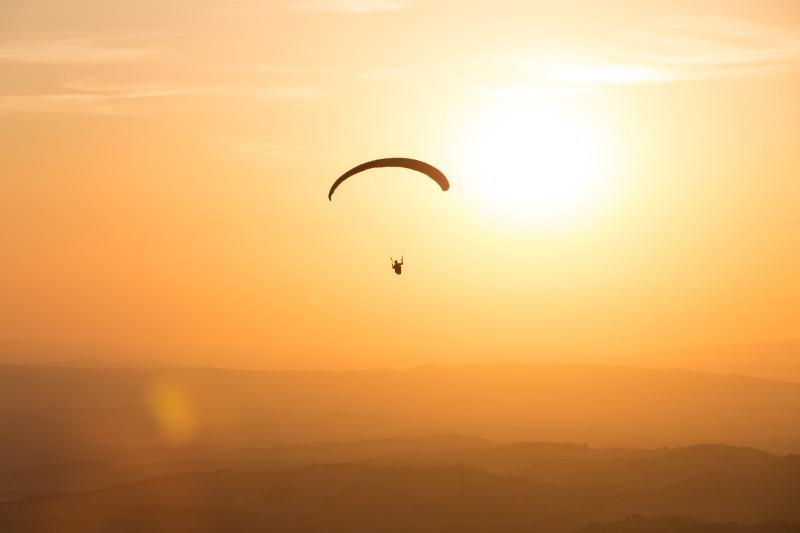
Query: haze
[[587, 321], [165, 168]]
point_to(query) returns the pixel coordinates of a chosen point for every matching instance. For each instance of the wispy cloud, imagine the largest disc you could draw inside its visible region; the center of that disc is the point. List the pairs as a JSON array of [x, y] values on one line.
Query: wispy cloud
[[291, 69], [532, 91], [256, 150], [75, 51], [349, 6], [260, 151], [682, 49], [370, 74], [65, 103], [154, 90], [382, 74], [92, 97]]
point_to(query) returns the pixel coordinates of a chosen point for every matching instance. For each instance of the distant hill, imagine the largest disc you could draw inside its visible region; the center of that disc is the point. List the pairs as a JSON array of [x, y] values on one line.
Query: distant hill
[[576, 466], [444, 483], [342, 497], [640, 524], [363, 498], [770, 360], [81, 475], [567, 466], [50, 415]]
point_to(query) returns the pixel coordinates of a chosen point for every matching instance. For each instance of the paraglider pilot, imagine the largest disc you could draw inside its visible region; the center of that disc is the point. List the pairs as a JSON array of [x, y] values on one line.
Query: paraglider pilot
[[397, 266]]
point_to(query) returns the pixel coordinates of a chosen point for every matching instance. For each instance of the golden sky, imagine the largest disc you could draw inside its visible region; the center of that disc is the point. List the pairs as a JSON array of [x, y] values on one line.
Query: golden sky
[[625, 176]]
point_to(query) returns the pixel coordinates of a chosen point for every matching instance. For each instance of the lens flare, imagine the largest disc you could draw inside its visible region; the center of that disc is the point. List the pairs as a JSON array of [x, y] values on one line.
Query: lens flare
[[172, 412]]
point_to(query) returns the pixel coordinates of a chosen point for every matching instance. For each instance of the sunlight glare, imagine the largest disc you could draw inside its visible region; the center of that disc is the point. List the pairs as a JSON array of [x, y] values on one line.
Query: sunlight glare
[[535, 164]]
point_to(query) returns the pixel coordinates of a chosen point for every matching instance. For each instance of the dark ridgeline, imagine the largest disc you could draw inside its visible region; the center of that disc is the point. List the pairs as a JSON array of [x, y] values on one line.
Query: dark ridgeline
[[81, 452], [640, 524], [53, 414], [427, 492]]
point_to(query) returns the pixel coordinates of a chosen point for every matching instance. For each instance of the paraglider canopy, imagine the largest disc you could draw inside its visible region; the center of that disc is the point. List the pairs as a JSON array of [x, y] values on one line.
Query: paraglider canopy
[[402, 162]]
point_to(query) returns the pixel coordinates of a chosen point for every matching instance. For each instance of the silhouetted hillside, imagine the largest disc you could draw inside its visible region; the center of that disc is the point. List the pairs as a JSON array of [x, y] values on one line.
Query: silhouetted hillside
[[326, 498], [572, 465], [640, 524], [362, 498], [56, 414], [771, 360]]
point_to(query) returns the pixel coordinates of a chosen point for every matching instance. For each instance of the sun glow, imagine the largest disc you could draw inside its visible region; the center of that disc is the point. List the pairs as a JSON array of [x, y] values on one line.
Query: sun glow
[[540, 164]]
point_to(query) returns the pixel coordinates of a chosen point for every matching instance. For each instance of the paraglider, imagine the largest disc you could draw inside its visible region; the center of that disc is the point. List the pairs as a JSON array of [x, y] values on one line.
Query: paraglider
[[397, 266], [399, 162], [402, 162]]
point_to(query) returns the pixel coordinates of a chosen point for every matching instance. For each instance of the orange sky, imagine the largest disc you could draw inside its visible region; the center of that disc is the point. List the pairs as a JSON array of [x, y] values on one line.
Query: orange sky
[[165, 167]]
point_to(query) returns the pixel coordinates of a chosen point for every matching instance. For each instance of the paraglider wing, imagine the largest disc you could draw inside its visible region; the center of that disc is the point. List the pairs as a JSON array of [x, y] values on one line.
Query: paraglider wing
[[403, 162]]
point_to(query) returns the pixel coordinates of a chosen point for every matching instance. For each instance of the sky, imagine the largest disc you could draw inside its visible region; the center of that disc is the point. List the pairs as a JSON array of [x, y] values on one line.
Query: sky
[[625, 177]]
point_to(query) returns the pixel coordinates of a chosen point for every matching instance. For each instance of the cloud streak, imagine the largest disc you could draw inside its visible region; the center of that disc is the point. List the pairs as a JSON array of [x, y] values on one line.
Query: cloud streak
[[75, 51], [369, 74], [253, 150], [355, 7], [684, 49], [91, 97], [382, 74], [262, 151]]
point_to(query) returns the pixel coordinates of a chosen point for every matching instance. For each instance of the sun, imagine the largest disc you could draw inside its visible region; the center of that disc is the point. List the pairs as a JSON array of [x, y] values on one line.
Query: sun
[[538, 164]]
